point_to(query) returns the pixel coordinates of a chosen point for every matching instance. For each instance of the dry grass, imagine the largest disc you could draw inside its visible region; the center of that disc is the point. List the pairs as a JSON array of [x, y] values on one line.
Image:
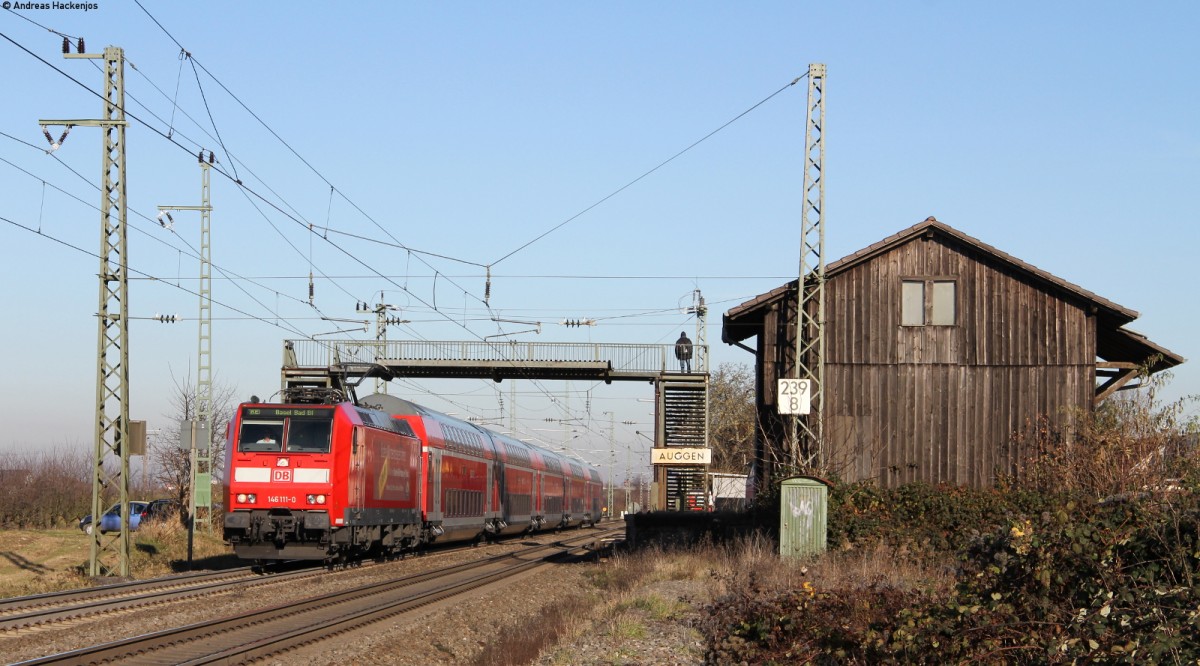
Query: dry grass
[[884, 566], [37, 561], [622, 608], [160, 549], [522, 643]]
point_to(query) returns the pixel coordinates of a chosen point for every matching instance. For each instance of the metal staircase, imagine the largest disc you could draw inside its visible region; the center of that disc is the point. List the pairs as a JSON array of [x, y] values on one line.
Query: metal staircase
[[684, 408]]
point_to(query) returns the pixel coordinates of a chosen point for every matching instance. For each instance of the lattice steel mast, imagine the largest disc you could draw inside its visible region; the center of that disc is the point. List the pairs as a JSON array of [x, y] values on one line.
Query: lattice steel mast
[[200, 456], [699, 309], [810, 307], [110, 555], [382, 319]]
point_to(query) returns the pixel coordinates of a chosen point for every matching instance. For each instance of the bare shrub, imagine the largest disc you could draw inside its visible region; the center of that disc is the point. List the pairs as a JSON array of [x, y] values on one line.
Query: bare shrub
[[1131, 443], [45, 489]]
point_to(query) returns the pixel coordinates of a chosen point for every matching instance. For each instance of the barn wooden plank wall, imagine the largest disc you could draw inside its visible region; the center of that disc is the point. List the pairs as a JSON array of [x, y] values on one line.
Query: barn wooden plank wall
[[937, 403], [942, 404]]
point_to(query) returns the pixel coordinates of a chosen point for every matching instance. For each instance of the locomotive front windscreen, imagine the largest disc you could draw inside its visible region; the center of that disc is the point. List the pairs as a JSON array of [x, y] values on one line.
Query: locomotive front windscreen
[[274, 430]]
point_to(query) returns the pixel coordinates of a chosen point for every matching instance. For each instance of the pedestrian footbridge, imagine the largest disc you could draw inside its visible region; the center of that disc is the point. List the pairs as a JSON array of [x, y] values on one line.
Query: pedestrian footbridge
[[392, 359], [322, 370]]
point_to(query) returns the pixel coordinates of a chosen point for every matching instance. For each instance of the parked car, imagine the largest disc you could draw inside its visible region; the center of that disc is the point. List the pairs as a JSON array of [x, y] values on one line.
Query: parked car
[[139, 511]]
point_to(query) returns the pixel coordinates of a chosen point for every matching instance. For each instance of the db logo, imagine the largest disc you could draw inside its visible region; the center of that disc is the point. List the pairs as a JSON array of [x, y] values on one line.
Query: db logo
[[284, 475]]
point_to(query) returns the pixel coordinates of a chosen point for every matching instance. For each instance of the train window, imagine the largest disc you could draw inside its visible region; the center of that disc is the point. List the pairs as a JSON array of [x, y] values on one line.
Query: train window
[[261, 437], [305, 436]]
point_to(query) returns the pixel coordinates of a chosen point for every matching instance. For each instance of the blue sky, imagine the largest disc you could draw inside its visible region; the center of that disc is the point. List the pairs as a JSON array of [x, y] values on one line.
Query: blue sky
[[1062, 133]]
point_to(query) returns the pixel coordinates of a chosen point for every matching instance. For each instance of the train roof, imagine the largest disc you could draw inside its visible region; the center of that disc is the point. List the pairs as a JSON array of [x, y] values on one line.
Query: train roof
[[393, 405]]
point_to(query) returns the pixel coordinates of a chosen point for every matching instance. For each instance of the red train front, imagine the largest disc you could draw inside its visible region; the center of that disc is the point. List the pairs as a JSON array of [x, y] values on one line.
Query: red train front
[[320, 481]]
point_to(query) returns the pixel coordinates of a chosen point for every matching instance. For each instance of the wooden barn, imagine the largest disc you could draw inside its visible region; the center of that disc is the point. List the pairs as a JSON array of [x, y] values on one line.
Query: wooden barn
[[939, 351]]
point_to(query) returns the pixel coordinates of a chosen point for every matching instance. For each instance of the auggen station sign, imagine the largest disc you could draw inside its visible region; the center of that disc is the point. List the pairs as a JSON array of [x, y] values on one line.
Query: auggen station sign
[[681, 456]]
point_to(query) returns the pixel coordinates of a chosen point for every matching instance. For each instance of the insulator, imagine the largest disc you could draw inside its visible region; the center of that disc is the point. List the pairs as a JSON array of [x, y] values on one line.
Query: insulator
[[200, 156], [46, 133], [63, 139], [81, 44], [66, 45], [210, 157]]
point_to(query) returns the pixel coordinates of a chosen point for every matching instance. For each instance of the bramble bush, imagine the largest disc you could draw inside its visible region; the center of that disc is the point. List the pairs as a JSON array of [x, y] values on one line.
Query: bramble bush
[[1089, 555], [1112, 582]]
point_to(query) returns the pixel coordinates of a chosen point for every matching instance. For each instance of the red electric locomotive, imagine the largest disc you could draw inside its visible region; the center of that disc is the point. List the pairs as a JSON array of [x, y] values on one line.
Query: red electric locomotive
[[317, 481]]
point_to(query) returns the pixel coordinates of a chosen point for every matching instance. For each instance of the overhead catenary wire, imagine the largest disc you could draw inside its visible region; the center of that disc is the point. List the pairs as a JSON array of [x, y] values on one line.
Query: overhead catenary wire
[[246, 190], [233, 160], [142, 273], [289, 328], [647, 173], [192, 252], [251, 193], [200, 65]]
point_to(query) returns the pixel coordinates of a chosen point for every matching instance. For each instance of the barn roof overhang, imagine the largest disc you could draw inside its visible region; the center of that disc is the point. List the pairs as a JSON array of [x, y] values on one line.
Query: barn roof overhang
[[1121, 345], [1114, 343]]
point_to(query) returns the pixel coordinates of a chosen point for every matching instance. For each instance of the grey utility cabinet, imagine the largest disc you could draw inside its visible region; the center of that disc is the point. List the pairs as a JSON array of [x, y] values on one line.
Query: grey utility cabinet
[[802, 522]]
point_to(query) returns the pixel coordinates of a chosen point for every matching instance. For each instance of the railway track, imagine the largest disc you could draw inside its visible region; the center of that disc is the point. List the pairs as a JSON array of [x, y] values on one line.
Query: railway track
[[44, 611], [47, 609], [278, 629]]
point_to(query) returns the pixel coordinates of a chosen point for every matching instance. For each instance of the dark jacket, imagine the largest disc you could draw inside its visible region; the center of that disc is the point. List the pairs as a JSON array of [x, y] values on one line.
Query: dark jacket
[[683, 348]]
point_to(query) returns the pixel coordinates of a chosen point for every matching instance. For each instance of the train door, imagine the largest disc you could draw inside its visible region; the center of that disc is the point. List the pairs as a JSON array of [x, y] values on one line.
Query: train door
[[500, 490], [489, 505], [434, 485], [358, 481]]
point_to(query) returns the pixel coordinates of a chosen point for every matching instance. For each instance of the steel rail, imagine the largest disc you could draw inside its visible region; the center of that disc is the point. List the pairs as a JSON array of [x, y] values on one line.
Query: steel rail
[[80, 606], [263, 635], [66, 596]]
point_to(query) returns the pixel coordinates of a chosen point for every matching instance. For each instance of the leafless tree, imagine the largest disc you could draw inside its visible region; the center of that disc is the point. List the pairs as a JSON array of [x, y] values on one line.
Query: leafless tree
[[172, 469], [732, 417]]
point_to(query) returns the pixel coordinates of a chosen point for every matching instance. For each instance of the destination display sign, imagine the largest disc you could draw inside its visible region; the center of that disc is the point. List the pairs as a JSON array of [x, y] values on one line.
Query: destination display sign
[[681, 456], [284, 412]]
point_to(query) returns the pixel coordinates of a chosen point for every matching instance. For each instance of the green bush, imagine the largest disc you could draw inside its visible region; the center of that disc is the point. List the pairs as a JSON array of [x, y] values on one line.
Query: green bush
[[919, 515], [1074, 581]]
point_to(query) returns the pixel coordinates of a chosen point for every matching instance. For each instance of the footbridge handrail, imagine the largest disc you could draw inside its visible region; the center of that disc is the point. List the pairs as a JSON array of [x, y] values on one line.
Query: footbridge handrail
[[636, 358]]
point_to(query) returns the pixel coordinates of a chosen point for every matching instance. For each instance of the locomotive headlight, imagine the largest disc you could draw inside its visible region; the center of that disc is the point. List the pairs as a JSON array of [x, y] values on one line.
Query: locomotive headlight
[[241, 498], [320, 499], [315, 499], [251, 498]]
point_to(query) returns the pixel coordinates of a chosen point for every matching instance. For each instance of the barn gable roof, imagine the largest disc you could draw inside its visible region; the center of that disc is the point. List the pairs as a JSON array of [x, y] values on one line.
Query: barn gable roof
[[1113, 342]]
